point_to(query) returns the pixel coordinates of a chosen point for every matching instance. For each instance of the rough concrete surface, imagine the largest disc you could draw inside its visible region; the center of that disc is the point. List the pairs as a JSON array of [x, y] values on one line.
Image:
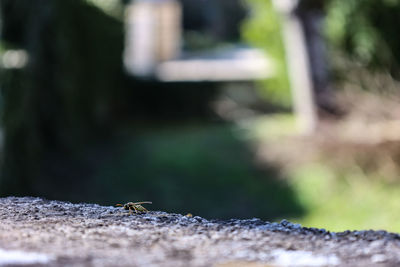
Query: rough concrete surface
[[38, 232]]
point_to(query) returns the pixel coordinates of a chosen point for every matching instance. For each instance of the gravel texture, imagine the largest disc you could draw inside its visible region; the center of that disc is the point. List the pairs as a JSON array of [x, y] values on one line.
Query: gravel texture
[[38, 232]]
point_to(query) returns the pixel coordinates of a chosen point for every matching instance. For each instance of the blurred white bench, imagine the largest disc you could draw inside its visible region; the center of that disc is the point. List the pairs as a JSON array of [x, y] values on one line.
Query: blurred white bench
[[153, 49], [235, 64]]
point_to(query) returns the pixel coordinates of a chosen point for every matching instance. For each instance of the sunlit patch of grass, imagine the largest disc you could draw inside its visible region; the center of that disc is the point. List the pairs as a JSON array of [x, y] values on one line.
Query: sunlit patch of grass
[[269, 127], [340, 200]]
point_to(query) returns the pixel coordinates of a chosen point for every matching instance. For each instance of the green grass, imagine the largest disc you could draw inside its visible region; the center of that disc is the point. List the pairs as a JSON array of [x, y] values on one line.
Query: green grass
[[340, 200]]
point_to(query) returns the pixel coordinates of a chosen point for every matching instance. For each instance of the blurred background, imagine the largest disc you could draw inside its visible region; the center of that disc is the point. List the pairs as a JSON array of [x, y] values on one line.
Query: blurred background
[[224, 109]]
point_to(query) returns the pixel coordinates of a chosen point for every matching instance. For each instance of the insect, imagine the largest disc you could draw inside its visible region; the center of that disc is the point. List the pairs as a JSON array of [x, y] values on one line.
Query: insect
[[134, 206]]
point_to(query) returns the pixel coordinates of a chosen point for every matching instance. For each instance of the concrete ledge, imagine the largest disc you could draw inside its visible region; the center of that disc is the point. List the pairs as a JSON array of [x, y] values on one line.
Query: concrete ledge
[[37, 232]]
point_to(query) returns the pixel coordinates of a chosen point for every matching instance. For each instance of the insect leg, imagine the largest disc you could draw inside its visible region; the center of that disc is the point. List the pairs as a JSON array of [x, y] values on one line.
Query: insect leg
[[144, 209], [135, 208], [130, 210]]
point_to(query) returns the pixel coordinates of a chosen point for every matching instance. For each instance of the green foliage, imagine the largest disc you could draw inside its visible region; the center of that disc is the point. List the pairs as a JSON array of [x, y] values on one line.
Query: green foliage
[[366, 30], [263, 29]]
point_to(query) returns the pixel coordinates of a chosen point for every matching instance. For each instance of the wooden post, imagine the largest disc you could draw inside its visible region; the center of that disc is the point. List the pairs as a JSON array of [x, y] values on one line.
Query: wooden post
[[298, 66]]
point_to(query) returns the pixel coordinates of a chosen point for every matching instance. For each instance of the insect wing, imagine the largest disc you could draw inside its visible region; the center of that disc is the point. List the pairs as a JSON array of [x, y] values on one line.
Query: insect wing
[[140, 208]]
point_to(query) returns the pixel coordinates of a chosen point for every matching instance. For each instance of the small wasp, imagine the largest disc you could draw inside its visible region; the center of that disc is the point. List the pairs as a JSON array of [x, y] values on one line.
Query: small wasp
[[134, 206]]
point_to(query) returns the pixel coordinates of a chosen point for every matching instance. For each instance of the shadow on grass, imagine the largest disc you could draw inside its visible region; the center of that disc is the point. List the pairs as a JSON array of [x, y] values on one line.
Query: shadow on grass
[[207, 171]]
